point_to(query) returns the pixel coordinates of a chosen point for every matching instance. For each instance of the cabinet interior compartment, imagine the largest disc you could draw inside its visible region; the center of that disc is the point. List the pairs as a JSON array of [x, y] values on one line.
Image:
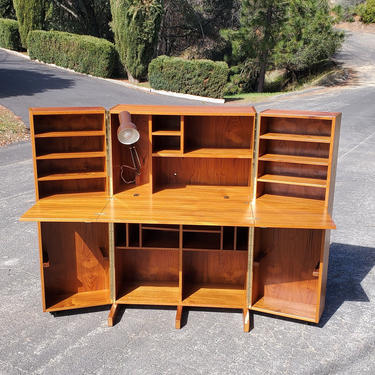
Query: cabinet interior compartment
[[218, 132], [214, 279], [201, 237], [147, 276], [291, 179], [61, 145], [75, 265], [285, 279], [180, 172], [47, 188], [121, 155], [69, 166], [296, 126], [160, 236], [68, 122], [166, 123], [166, 143]]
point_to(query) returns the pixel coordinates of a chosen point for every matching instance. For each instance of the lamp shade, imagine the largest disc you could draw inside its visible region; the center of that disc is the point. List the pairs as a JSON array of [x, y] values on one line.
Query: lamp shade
[[127, 132]]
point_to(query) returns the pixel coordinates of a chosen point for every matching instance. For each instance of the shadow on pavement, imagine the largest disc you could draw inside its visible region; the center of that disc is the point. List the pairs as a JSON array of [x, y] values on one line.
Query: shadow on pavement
[[13, 82], [348, 266]]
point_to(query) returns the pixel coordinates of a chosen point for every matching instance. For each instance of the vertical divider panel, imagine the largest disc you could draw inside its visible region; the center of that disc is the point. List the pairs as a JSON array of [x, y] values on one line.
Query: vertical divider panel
[[140, 236], [180, 263], [112, 269], [250, 268], [127, 234], [182, 134], [32, 132], [235, 239], [108, 170], [150, 169], [221, 237]]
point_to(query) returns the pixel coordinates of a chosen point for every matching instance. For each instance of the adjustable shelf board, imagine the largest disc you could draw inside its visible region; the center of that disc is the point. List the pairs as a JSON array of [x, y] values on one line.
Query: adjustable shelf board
[[205, 224]]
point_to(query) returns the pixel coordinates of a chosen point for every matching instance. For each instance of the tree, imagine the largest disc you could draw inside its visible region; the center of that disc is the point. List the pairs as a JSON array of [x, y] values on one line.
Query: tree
[[7, 9], [89, 17], [136, 26], [30, 16], [259, 32], [307, 37]]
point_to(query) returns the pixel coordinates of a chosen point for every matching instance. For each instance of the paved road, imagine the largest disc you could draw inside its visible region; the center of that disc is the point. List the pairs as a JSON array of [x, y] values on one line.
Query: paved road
[[25, 83], [212, 342]]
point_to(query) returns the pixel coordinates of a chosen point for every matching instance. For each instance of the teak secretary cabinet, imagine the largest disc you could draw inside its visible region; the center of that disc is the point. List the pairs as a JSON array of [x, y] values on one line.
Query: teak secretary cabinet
[[232, 209]]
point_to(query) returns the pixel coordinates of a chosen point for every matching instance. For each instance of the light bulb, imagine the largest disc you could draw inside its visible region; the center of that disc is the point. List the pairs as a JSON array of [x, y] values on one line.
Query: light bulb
[[127, 132]]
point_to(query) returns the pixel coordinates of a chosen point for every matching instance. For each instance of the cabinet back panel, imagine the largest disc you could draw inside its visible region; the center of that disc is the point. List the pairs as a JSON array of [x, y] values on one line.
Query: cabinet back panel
[[218, 132], [78, 258], [291, 169], [215, 268], [165, 122], [201, 171], [71, 186], [165, 143], [289, 259], [291, 190], [69, 144], [146, 265], [121, 154], [70, 165], [48, 123], [320, 150], [295, 126]]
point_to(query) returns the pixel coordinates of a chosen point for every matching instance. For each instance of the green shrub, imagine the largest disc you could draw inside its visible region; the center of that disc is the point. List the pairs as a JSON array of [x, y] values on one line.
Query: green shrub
[[7, 9], [195, 77], [9, 35], [367, 11], [30, 16], [82, 53]]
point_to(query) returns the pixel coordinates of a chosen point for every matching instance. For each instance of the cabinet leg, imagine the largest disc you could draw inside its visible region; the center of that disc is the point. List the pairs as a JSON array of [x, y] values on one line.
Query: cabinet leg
[[246, 320], [112, 315], [178, 317]]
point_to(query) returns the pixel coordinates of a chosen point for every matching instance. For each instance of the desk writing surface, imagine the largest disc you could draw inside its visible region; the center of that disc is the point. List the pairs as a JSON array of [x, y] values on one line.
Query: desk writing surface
[[190, 204], [67, 208], [276, 211]]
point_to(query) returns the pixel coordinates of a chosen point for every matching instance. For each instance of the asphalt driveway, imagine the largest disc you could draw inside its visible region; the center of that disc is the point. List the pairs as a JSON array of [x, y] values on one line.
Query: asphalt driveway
[[212, 341]]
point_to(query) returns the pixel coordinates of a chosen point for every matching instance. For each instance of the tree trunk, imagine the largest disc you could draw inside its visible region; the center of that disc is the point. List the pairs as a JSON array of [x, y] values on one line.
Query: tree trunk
[[262, 75]]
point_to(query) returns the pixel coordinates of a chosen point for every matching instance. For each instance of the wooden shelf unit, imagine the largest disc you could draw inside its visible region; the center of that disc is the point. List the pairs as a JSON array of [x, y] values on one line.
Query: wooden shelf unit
[[204, 224], [295, 174], [69, 149]]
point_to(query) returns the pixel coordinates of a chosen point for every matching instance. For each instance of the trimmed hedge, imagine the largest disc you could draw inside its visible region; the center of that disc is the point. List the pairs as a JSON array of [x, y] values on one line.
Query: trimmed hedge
[[195, 77], [9, 35], [82, 53]]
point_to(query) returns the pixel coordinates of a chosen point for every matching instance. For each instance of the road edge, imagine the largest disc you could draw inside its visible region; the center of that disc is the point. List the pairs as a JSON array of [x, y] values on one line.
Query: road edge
[[125, 84]]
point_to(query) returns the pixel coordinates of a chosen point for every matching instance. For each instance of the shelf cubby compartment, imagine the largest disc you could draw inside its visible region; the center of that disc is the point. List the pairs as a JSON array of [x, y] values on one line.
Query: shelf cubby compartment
[[160, 236], [45, 147], [295, 128], [62, 125], [166, 145], [121, 155], [218, 136], [214, 279], [166, 123], [181, 172], [75, 265], [283, 275], [197, 237], [147, 277]]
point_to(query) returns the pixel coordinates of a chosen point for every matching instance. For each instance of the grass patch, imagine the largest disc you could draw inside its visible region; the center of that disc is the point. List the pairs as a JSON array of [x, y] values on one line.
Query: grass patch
[[251, 96], [12, 129]]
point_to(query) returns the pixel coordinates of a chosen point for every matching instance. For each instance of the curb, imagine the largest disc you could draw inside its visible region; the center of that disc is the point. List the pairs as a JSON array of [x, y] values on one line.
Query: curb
[[126, 84]]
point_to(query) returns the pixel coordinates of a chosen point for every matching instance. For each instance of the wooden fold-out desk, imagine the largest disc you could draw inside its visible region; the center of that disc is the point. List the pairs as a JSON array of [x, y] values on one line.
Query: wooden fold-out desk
[[225, 213]]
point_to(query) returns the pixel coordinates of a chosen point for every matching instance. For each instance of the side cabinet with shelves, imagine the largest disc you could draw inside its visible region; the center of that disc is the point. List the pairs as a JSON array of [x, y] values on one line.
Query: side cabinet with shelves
[[295, 176]]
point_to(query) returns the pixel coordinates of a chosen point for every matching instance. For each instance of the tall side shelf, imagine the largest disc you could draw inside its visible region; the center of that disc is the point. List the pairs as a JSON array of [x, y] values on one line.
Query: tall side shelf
[[69, 150], [293, 197]]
